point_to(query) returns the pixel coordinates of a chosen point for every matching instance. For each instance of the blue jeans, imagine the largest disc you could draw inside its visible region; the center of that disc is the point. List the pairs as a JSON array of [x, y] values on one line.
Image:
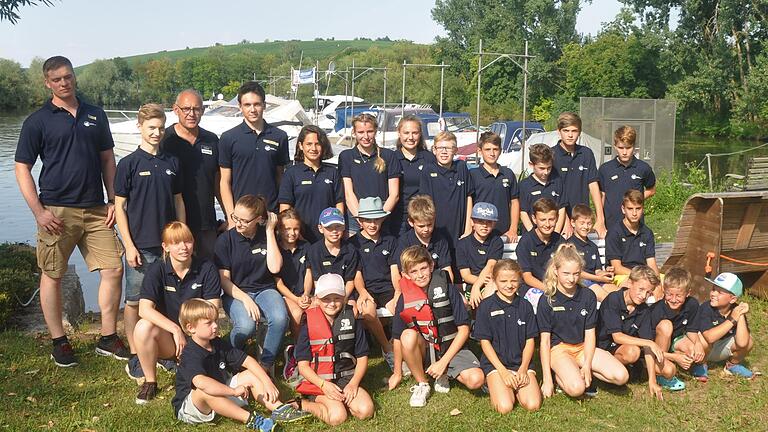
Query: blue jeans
[[134, 277], [273, 311]]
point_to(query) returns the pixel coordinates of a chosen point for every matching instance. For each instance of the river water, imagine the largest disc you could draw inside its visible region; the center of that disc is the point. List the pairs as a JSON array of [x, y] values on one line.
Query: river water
[[18, 225]]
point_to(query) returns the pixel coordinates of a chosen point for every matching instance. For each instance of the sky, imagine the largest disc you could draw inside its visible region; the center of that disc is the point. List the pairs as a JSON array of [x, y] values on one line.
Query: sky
[[85, 30]]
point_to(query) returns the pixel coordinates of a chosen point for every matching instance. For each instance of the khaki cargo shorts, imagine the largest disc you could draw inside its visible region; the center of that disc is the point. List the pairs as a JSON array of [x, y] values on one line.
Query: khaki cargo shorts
[[84, 228]]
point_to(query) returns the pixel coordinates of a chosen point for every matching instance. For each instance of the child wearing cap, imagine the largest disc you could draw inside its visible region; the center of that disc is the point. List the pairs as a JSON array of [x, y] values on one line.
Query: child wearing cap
[[214, 378], [421, 218], [593, 276], [333, 254], [431, 320], [379, 270], [476, 254], [723, 323], [541, 184], [332, 352]]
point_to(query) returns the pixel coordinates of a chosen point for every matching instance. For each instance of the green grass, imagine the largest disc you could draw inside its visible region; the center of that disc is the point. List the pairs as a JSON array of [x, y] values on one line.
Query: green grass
[[97, 396]]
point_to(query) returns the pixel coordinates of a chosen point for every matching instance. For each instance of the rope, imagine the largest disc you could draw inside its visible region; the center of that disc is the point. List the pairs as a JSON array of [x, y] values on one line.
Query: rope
[[28, 302], [730, 153], [711, 255]]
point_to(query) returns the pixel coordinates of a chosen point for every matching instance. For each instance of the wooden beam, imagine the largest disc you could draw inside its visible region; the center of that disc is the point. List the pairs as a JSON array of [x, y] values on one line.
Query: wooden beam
[[748, 226]]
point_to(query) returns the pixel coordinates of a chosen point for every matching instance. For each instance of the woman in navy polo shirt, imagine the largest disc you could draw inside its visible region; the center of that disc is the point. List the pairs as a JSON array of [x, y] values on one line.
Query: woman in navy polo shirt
[[413, 155], [310, 186], [368, 170], [248, 258]]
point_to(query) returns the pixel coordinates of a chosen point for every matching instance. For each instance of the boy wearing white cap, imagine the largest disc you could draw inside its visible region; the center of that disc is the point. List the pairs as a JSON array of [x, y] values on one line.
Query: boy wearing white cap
[[332, 352], [723, 323], [477, 253]]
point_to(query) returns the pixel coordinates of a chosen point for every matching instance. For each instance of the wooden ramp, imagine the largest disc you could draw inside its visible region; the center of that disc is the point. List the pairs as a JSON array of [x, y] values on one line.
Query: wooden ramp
[[723, 232]]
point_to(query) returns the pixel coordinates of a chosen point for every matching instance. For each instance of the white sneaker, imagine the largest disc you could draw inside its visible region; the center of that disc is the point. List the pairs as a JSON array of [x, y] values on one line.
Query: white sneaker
[[420, 393], [406, 370], [442, 385]]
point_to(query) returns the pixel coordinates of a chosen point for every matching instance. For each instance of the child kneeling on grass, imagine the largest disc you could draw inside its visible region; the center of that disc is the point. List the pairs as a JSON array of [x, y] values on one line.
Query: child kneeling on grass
[[506, 328], [332, 353], [430, 328], [204, 385]]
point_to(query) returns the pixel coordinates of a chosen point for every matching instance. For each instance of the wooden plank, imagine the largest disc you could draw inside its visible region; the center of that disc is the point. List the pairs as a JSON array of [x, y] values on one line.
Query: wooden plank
[[760, 287], [747, 226]]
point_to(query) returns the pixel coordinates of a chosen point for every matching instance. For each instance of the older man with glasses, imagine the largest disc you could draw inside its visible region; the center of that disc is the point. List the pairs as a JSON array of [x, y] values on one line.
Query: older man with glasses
[[198, 152]]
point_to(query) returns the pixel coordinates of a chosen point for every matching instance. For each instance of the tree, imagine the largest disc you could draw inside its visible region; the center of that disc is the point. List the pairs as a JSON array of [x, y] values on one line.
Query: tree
[[14, 90], [101, 83], [38, 93], [9, 9]]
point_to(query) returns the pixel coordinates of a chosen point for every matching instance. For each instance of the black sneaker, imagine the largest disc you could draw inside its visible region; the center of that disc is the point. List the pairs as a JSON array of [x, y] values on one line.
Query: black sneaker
[[147, 392], [167, 365], [113, 347], [591, 391], [133, 369], [63, 355]]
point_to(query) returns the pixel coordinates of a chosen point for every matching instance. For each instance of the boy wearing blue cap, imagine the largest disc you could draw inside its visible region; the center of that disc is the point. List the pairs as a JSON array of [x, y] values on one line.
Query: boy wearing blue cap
[[723, 323], [477, 253], [333, 254]]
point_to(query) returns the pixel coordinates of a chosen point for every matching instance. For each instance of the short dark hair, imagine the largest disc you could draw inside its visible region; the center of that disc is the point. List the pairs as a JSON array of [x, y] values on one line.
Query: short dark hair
[[56, 62], [489, 137], [251, 87], [633, 196], [581, 210], [540, 153], [327, 151], [544, 205]]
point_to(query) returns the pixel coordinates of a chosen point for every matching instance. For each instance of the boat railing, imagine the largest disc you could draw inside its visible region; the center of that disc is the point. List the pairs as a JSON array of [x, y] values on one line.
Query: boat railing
[[126, 114]]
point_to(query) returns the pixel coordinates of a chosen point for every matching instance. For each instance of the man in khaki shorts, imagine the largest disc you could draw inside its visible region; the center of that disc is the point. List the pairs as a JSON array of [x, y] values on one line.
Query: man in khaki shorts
[[73, 140]]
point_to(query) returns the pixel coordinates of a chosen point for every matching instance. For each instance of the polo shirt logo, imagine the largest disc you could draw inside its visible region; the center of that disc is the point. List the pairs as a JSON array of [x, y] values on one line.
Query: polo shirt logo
[[497, 312], [623, 239], [145, 173], [635, 177], [435, 256], [439, 293], [92, 117], [634, 326], [714, 323], [535, 192], [481, 252], [196, 285], [259, 251], [302, 259], [346, 324], [614, 177], [505, 182], [520, 322], [583, 312], [366, 250], [582, 167], [87, 123], [269, 148], [534, 253], [222, 365], [623, 317], [642, 244], [170, 288], [685, 322], [385, 252], [420, 167], [555, 193], [206, 150], [306, 182], [328, 181], [433, 174], [594, 256], [169, 172]]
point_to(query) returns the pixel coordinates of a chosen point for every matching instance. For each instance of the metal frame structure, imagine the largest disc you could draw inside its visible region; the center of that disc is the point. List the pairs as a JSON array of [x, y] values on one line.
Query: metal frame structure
[[442, 67]]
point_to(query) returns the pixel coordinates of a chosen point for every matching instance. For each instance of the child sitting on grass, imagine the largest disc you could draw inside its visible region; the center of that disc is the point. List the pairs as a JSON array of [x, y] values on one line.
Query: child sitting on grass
[[205, 385]]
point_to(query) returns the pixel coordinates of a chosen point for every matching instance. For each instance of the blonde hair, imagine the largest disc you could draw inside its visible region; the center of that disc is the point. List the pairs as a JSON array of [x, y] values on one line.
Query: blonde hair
[[506, 265], [566, 253], [446, 136], [151, 111], [625, 135], [421, 208], [566, 119], [677, 277], [176, 232], [413, 256], [644, 272], [194, 310], [380, 165]]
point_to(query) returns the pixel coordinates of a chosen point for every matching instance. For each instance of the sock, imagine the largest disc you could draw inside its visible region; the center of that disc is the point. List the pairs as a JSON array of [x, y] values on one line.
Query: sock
[[61, 340], [109, 337]]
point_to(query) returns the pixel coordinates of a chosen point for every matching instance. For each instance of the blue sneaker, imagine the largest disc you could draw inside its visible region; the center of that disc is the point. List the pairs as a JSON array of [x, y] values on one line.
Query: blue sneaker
[[134, 371], [167, 365], [259, 423], [739, 370], [700, 372], [288, 414], [672, 384]]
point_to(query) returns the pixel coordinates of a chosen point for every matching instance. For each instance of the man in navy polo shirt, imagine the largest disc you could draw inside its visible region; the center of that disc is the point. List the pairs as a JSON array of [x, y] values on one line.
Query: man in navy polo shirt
[[252, 155], [575, 165], [73, 140], [198, 153], [630, 242]]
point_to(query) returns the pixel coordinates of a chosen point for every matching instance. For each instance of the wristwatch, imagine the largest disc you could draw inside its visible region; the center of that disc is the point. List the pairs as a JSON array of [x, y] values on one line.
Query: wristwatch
[[732, 320]]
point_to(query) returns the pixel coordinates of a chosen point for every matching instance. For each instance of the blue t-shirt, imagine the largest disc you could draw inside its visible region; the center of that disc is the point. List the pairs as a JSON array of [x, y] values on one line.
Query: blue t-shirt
[[507, 326], [708, 317], [310, 192], [246, 259], [683, 320], [590, 252], [531, 190], [577, 171], [616, 179], [438, 247], [498, 190], [294, 267], [449, 189], [567, 318], [533, 254], [631, 249], [616, 318], [366, 181], [376, 259], [321, 261], [474, 254], [410, 180]]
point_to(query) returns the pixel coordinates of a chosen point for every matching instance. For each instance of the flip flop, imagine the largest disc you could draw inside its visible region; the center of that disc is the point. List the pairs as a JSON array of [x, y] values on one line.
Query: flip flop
[[672, 384]]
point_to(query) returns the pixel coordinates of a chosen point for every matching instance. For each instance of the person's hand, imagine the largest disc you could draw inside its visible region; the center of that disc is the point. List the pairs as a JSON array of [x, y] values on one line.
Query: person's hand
[[655, 390], [132, 257], [230, 222], [586, 373], [658, 353], [391, 305], [179, 339], [251, 308], [600, 229], [240, 391], [355, 309], [475, 297], [350, 392], [567, 231], [305, 301], [698, 352], [332, 391], [271, 393], [271, 221], [394, 381], [522, 379], [507, 377], [741, 309], [109, 220], [49, 222], [685, 361], [437, 369], [547, 388]]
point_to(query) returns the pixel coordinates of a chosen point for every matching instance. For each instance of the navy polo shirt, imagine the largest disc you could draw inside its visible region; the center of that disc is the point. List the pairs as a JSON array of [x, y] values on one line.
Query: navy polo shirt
[[631, 249], [310, 192], [589, 252], [148, 182], [708, 317], [254, 160], [168, 292], [474, 254], [221, 362], [616, 179], [303, 352], [533, 254], [410, 180], [376, 259], [507, 326], [199, 165], [246, 259], [683, 321], [294, 267], [577, 171], [438, 247], [366, 181], [615, 318], [460, 315], [69, 148], [449, 189], [532, 190], [320, 261], [567, 318], [498, 190]]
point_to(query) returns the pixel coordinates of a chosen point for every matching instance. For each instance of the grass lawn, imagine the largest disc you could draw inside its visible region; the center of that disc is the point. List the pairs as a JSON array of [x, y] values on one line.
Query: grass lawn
[[98, 396]]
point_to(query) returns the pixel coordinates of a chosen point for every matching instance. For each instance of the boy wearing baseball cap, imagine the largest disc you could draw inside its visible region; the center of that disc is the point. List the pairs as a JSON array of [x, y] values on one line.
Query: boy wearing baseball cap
[[333, 254], [723, 323], [332, 352], [477, 253]]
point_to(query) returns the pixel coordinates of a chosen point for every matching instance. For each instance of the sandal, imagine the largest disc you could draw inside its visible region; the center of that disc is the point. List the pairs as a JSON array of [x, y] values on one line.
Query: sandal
[[672, 384]]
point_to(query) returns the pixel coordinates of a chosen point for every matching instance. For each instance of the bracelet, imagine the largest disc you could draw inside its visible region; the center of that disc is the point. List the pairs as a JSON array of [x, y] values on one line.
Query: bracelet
[[732, 320], [322, 384]]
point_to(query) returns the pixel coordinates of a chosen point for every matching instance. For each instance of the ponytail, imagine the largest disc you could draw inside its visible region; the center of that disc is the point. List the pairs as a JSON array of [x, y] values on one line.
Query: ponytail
[[380, 165], [566, 253]]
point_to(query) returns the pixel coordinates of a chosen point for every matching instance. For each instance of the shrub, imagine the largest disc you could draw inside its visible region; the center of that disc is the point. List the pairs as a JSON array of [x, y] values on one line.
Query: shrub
[[673, 188], [18, 277]]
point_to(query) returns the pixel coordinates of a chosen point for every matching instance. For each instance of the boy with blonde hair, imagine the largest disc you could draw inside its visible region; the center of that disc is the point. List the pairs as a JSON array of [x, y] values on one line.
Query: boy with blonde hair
[[421, 218]]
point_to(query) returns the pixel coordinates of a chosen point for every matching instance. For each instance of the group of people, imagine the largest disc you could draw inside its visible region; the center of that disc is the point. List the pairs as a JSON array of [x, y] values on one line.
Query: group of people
[[403, 247]]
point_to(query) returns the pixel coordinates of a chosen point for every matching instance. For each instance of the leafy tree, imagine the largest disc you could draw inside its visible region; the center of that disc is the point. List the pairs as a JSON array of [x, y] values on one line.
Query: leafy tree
[[14, 91], [38, 93], [9, 9]]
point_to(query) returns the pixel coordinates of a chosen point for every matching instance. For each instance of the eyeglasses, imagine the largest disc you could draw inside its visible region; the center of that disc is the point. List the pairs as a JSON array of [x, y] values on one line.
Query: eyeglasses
[[243, 221], [188, 110], [444, 148]]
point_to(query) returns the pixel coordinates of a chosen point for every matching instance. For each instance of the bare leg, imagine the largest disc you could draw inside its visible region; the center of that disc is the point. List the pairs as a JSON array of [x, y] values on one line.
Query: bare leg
[[502, 397], [373, 325], [130, 318], [568, 375], [472, 378], [627, 354], [608, 369], [156, 343], [50, 302], [413, 354], [247, 379], [362, 405], [110, 290], [530, 395], [329, 411]]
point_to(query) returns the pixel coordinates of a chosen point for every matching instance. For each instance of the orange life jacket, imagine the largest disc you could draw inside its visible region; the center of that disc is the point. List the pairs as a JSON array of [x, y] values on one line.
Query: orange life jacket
[[333, 348], [430, 312]]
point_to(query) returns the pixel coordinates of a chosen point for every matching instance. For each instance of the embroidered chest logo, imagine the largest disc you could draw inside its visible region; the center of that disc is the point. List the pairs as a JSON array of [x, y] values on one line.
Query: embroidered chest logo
[[643, 244], [366, 250], [169, 172], [555, 193], [420, 167], [222, 365], [583, 312], [435, 256], [346, 324], [520, 322], [582, 167], [685, 322], [269, 148], [328, 181], [196, 285], [505, 183], [459, 182], [259, 251], [635, 177], [87, 123], [302, 259], [594, 256], [439, 293], [385, 252]]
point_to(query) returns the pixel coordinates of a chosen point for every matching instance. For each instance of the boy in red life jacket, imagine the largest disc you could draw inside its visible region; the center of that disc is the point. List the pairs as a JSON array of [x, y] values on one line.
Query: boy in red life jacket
[[430, 328], [332, 352]]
